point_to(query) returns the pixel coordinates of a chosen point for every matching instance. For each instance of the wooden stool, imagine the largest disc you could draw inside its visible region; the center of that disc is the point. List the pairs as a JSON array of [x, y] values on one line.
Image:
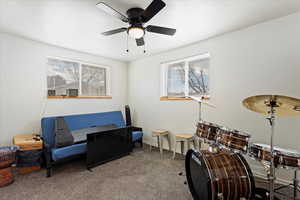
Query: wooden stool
[[159, 134], [183, 138]]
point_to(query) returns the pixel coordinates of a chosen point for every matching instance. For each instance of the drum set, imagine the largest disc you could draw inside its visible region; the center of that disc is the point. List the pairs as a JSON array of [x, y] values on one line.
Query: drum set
[[221, 172]]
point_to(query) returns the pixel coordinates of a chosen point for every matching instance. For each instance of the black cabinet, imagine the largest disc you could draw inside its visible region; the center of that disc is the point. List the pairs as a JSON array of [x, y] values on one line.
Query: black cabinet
[[108, 145]]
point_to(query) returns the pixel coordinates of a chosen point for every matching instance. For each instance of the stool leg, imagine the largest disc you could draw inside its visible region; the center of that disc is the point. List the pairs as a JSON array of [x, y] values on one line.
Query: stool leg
[[199, 143], [188, 144], [175, 147], [158, 141], [151, 144], [182, 146], [161, 146], [194, 143], [169, 142]]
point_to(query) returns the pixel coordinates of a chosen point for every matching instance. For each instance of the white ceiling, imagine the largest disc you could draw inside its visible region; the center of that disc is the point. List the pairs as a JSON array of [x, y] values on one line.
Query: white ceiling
[[77, 24]]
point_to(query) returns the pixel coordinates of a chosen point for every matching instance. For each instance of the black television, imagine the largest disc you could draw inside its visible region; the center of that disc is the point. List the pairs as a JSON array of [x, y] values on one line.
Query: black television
[[108, 145]]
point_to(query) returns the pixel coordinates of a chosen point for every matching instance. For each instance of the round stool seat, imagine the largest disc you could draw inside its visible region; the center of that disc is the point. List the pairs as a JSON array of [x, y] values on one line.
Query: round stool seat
[[160, 131], [184, 136]]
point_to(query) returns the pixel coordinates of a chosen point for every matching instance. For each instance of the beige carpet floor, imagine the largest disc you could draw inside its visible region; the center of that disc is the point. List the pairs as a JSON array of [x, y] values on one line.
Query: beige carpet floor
[[139, 176]]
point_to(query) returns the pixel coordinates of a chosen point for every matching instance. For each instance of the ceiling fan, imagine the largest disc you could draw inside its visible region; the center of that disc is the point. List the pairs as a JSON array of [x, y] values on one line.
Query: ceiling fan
[[137, 17]]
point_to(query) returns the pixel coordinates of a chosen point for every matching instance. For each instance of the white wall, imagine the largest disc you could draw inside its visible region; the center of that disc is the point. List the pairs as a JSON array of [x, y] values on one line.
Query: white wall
[[262, 59], [23, 86]]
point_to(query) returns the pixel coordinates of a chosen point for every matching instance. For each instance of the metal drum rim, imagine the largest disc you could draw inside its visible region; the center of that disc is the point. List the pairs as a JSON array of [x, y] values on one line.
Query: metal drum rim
[[233, 150], [209, 124], [189, 155], [282, 151], [235, 131]]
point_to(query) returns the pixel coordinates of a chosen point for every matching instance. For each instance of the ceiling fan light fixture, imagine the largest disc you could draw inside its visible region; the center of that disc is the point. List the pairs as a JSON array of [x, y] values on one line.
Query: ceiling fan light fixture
[[136, 32]]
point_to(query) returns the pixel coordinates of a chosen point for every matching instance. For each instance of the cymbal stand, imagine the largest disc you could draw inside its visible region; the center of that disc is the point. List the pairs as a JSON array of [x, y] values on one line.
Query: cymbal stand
[[200, 101], [271, 175], [296, 185], [199, 141]]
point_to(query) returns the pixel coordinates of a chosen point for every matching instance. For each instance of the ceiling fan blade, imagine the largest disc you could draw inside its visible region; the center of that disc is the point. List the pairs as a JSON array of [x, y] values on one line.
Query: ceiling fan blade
[[161, 30], [119, 30], [106, 8], [140, 42], [152, 10]]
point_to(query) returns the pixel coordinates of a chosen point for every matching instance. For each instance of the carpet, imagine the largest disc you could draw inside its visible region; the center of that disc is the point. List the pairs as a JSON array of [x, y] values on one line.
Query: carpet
[[140, 176]]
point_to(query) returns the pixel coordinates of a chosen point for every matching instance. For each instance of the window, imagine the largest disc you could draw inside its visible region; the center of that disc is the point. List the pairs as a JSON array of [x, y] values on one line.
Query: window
[[186, 77], [88, 80], [93, 81]]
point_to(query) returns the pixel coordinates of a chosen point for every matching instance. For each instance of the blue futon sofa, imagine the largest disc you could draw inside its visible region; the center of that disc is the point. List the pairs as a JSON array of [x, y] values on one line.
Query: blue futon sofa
[[55, 155]]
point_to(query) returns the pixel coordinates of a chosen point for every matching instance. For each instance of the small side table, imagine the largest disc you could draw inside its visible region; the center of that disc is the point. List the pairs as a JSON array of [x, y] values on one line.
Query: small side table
[[160, 134], [29, 154], [183, 138]]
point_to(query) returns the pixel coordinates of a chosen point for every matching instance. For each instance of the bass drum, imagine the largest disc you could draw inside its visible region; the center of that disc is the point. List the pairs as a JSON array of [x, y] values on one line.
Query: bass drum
[[219, 175]]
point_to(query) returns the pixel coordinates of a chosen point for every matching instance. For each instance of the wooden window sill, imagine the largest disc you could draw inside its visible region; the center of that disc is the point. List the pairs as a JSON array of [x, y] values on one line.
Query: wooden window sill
[[80, 97], [166, 98]]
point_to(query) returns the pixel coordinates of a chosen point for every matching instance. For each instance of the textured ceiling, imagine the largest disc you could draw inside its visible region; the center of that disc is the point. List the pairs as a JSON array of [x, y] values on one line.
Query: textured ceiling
[[77, 24]]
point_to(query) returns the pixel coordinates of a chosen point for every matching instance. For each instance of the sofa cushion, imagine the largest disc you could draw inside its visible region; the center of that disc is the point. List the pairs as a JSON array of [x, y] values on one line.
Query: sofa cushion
[[79, 122], [136, 135], [64, 152]]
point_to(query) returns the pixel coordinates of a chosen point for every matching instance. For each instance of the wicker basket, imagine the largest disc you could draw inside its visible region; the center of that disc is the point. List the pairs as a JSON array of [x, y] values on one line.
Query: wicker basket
[[7, 156], [6, 176]]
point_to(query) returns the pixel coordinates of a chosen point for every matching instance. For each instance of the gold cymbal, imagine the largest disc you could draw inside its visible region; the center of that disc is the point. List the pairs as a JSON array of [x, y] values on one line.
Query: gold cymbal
[[283, 105]]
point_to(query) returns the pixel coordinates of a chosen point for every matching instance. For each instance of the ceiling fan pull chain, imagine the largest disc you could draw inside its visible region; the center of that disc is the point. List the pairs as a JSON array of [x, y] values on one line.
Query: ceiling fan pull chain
[[144, 45], [127, 49]]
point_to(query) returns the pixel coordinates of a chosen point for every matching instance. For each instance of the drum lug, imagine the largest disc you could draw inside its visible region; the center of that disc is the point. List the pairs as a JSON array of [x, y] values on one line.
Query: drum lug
[[280, 160], [220, 196]]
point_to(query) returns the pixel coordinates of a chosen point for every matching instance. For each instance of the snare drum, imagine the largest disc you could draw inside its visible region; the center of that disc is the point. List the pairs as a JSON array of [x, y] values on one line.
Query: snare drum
[[208, 131], [233, 139], [285, 158]]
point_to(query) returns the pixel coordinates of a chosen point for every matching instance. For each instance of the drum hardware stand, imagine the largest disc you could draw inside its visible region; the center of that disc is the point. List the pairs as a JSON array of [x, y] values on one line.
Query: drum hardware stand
[[271, 175], [268, 103], [296, 185], [200, 101], [213, 148], [266, 166]]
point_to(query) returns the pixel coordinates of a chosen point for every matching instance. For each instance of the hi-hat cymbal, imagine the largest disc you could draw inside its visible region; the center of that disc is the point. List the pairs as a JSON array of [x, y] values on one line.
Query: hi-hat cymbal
[[283, 105]]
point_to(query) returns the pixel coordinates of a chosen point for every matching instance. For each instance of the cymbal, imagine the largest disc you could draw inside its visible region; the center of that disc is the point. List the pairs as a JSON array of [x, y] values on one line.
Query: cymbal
[[283, 105]]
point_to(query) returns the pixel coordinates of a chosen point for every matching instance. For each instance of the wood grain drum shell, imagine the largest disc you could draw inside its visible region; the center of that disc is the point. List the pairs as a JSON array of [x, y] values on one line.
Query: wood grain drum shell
[[208, 131], [233, 139], [284, 158], [222, 175]]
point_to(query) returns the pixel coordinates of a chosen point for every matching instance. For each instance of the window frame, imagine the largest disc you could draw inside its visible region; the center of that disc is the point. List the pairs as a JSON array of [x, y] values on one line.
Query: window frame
[[164, 76], [107, 77]]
